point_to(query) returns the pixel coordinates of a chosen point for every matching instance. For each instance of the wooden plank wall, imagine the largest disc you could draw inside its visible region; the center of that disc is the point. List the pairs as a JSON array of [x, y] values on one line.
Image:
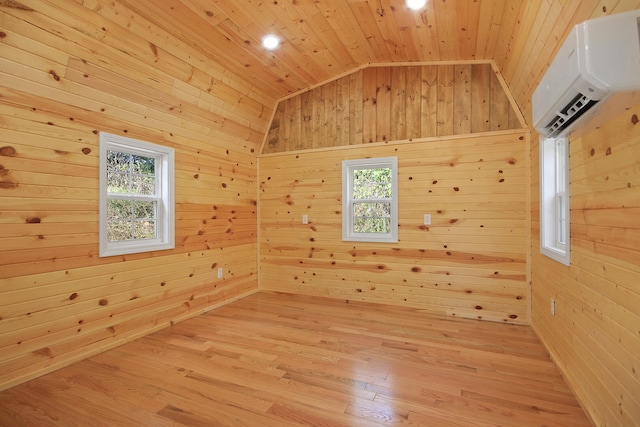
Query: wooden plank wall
[[595, 336], [471, 262], [66, 73], [392, 103]]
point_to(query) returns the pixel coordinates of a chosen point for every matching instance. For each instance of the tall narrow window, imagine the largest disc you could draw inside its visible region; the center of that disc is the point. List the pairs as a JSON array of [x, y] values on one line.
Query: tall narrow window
[[136, 196], [370, 200], [554, 199]]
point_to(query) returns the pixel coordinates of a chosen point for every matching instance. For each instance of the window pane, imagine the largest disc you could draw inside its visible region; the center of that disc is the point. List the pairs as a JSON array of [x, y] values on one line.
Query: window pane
[[130, 174], [560, 159], [118, 161], [371, 217], [119, 230], [144, 210], [560, 218], [372, 183], [117, 182], [119, 209], [143, 184], [144, 229], [143, 165]]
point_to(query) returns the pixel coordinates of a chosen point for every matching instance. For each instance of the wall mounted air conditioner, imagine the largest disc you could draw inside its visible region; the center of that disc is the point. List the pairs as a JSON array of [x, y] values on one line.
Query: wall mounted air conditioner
[[600, 57]]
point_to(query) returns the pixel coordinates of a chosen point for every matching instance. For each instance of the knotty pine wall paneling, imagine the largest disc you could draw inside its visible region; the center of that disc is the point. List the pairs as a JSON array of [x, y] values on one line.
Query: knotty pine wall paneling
[[394, 103], [595, 335], [471, 262], [68, 71]]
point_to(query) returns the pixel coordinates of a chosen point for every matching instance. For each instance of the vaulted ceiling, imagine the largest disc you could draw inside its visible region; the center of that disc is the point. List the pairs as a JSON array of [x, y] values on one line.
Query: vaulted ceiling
[[324, 39]]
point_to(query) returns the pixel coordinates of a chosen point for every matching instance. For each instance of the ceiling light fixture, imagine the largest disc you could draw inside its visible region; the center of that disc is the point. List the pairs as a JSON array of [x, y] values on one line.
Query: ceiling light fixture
[[416, 4], [270, 41]]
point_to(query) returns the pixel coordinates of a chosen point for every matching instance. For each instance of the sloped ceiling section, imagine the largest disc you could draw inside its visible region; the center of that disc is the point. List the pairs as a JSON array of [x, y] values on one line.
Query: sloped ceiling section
[[324, 39]]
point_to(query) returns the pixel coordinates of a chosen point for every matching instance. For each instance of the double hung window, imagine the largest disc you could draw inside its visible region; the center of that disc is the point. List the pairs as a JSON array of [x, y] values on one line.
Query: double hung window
[[136, 196], [370, 200], [554, 199]]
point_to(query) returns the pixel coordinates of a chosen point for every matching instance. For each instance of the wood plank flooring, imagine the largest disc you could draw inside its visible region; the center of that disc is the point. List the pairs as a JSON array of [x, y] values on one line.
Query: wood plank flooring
[[283, 360]]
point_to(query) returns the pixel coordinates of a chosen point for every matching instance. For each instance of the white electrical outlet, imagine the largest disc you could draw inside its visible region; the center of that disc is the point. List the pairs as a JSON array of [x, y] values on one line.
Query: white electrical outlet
[[305, 219], [427, 219], [552, 307], [220, 273]]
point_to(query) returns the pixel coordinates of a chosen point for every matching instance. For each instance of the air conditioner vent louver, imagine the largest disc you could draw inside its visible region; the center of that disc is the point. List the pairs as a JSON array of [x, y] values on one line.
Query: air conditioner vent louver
[[572, 112]]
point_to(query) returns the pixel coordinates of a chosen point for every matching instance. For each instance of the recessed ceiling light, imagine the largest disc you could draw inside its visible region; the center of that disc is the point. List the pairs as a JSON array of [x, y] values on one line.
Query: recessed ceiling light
[[270, 41], [416, 4]]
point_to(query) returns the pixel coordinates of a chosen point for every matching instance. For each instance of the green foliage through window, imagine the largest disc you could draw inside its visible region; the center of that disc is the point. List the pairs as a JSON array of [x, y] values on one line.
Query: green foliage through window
[[130, 176], [372, 190]]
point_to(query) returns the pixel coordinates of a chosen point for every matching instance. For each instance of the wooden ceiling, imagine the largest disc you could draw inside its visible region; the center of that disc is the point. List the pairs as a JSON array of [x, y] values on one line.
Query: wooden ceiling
[[207, 54], [324, 39]]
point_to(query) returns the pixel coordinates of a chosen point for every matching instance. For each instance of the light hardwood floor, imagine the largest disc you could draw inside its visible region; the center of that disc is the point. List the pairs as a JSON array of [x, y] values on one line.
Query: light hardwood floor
[[280, 360]]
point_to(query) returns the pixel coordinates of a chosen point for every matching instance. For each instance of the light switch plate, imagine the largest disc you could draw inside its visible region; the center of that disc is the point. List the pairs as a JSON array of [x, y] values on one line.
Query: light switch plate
[[427, 219]]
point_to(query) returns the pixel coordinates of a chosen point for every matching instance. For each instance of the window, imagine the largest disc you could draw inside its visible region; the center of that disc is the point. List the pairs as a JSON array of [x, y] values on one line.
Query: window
[[370, 200], [554, 199], [136, 196]]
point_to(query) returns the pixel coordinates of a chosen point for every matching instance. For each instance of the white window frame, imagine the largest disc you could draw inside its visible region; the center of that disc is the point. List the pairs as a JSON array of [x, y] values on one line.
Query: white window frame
[[164, 195], [555, 233], [348, 168]]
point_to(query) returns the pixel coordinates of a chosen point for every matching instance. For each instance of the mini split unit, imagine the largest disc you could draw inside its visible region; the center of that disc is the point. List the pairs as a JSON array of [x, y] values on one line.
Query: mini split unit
[[600, 57]]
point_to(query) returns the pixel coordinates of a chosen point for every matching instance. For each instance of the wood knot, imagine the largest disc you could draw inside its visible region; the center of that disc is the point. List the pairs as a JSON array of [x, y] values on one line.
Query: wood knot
[[73, 296], [634, 119], [103, 302], [3, 34], [7, 151], [608, 152], [513, 316], [55, 76], [32, 220], [8, 185], [416, 269], [86, 151]]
